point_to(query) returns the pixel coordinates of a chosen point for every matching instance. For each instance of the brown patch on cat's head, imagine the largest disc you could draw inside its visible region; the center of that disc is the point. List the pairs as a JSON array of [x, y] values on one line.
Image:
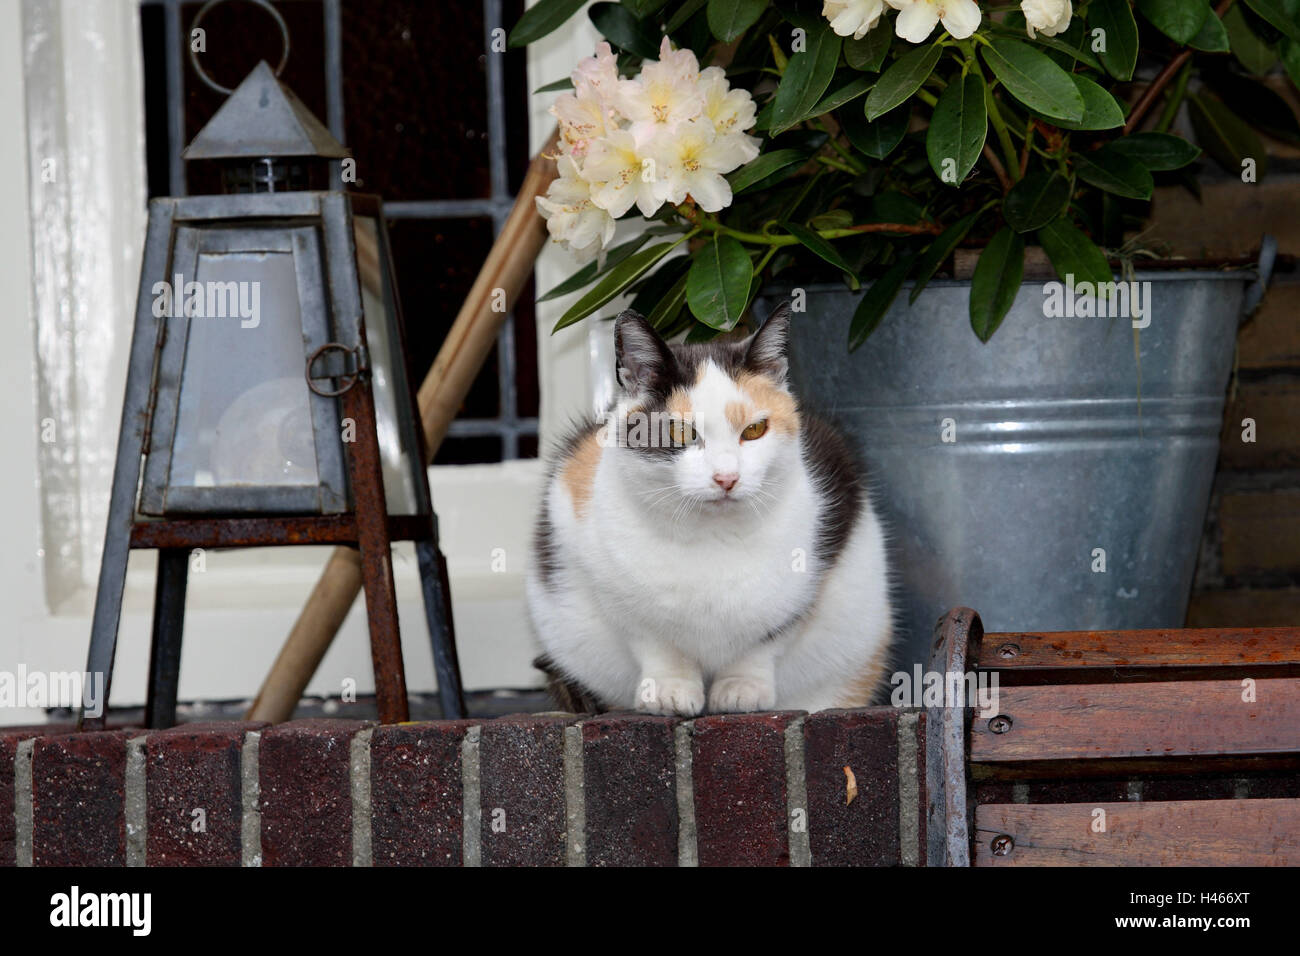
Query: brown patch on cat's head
[[579, 472], [765, 398]]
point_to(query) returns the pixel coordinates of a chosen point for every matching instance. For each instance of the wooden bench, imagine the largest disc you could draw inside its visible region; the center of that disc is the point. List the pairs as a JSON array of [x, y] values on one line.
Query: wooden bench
[[1143, 748]]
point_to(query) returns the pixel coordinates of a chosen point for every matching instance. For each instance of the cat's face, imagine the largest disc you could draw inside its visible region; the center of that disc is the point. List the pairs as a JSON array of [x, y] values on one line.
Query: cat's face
[[705, 428]]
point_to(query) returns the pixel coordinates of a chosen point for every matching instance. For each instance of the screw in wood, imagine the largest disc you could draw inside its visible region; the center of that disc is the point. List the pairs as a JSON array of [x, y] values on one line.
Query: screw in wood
[[1002, 845], [1000, 724], [1009, 650]]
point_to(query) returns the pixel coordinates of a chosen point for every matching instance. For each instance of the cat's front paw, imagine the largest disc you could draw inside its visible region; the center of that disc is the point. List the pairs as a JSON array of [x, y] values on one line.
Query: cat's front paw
[[682, 696], [736, 694]]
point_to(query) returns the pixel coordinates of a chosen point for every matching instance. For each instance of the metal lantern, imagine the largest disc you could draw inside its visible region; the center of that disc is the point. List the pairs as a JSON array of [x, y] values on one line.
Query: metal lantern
[[267, 401]]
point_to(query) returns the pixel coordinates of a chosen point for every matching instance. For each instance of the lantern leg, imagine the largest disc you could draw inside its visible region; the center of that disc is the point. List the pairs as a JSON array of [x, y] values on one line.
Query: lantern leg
[[168, 628], [442, 629]]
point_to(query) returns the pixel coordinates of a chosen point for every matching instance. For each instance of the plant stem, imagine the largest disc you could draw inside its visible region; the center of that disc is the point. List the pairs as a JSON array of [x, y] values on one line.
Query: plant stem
[[762, 239], [1012, 169], [1176, 94], [1162, 79], [836, 164]]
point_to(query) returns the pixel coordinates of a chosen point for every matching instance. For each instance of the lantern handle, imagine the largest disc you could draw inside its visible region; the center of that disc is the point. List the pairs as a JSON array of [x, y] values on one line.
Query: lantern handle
[[360, 365], [265, 5]]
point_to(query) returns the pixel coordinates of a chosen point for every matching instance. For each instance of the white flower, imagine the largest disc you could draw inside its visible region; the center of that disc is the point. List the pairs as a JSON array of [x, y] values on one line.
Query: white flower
[[571, 216], [691, 163], [665, 95], [918, 18], [1048, 17], [581, 120], [729, 110], [620, 175], [597, 76], [853, 17]]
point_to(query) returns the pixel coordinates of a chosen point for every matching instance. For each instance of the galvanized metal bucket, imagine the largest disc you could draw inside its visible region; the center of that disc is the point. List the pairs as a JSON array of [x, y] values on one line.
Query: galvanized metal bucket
[[1042, 478]]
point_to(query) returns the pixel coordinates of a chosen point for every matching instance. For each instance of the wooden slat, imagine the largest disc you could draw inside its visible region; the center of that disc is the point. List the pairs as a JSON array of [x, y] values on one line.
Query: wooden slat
[[1091, 656], [1174, 833], [1090, 722]]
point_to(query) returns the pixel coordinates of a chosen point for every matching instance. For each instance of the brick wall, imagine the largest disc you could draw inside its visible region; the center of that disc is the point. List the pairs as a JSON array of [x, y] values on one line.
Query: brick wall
[[1249, 568], [545, 790]]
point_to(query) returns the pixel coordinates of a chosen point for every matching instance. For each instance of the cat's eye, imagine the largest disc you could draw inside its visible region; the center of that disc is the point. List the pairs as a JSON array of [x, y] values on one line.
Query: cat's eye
[[681, 432], [756, 430]]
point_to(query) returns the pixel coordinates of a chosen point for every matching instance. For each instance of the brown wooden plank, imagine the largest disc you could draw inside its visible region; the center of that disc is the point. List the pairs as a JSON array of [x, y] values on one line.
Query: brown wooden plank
[[1177, 653], [1086, 722], [1174, 833]]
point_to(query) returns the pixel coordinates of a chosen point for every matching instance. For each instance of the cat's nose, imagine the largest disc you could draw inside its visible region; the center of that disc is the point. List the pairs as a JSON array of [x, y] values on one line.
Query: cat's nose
[[726, 480]]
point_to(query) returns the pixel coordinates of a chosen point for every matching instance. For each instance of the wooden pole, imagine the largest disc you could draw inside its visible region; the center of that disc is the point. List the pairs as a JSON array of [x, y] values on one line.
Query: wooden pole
[[508, 267]]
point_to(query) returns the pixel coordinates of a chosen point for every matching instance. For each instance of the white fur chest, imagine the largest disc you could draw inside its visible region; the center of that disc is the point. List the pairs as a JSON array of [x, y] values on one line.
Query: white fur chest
[[712, 582]]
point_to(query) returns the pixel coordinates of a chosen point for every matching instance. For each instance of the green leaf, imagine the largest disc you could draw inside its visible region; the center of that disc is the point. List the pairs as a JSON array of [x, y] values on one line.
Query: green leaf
[[1224, 135], [728, 19], [1036, 200], [615, 281], [684, 13], [766, 169], [1100, 110], [869, 53], [875, 303], [1257, 103], [805, 80], [717, 287], [957, 129], [1290, 51], [1120, 32], [1115, 173], [996, 281], [1180, 20], [589, 272], [845, 94], [557, 86], [1276, 14], [1251, 52], [1072, 253], [541, 18], [1059, 44], [670, 306], [1213, 37], [903, 78], [880, 138], [938, 251], [819, 246], [1033, 79], [1158, 152], [643, 8], [617, 25]]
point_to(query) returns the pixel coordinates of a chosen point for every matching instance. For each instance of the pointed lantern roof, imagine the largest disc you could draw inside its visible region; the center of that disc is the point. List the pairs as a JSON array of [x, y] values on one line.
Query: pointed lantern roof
[[261, 119]]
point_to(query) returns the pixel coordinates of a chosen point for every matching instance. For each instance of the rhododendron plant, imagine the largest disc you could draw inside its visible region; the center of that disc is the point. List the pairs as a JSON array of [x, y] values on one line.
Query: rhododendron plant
[[872, 138]]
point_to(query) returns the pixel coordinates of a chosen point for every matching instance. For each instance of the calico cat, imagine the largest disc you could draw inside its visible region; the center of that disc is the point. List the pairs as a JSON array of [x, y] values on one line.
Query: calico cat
[[708, 545]]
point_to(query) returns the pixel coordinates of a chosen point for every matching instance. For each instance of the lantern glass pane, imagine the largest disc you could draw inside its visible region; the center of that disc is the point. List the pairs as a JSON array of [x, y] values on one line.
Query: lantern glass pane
[[244, 416], [376, 304]]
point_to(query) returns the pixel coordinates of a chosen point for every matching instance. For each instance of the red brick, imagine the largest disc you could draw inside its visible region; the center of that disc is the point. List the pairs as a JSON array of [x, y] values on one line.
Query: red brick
[[521, 771], [79, 799], [629, 771], [10, 738], [864, 832], [306, 792], [741, 816], [415, 794], [195, 766]]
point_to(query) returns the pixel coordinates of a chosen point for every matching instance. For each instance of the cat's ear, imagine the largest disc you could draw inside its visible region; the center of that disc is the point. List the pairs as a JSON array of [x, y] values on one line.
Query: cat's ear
[[643, 358], [768, 349]]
